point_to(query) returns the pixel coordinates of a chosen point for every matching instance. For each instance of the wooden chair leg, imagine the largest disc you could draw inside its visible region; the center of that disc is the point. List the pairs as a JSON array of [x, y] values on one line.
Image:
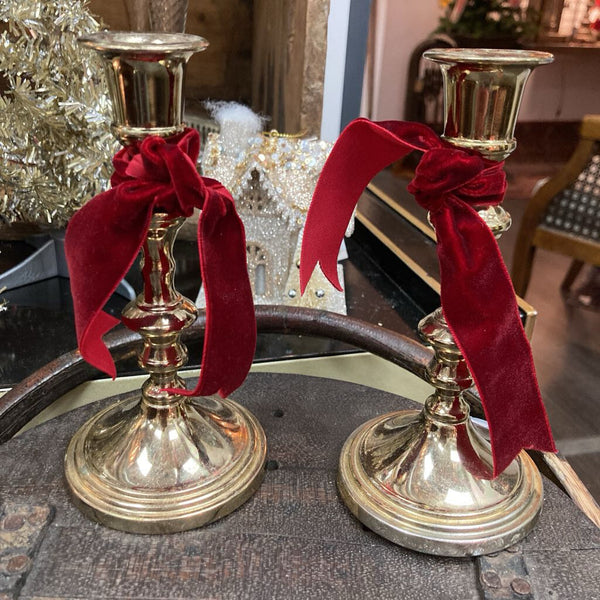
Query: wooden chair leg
[[572, 273]]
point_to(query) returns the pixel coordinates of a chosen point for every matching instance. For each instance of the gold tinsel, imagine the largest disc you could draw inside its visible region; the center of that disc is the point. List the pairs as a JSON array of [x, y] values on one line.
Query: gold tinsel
[[55, 138]]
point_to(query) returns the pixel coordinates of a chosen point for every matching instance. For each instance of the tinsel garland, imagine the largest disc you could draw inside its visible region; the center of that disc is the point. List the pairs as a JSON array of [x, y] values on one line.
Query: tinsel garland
[[55, 138]]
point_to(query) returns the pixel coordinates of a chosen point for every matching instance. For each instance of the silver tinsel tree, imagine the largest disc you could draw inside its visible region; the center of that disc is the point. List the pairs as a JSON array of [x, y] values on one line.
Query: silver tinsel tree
[[55, 138]]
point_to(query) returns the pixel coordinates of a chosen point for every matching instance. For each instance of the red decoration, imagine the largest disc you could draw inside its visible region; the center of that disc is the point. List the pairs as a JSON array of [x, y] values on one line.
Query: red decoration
[[477, 296], [104, 237], [594, 16]]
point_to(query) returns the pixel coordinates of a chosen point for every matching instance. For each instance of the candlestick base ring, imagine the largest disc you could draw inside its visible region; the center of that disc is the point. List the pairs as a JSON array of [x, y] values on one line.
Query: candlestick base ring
[[163, 469], [405, 476]]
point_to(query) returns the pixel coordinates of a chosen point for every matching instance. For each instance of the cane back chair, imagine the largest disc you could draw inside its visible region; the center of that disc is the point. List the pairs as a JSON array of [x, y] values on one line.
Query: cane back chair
[[563, 215]]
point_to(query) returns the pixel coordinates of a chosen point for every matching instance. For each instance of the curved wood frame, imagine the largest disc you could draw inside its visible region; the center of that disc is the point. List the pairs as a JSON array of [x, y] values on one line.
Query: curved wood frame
[[530, 236], [42, 388], [39, 390]]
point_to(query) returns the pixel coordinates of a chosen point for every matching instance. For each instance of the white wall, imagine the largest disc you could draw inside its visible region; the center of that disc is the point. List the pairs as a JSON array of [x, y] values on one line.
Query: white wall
[[401, 25], [335, 62], [564, 90]]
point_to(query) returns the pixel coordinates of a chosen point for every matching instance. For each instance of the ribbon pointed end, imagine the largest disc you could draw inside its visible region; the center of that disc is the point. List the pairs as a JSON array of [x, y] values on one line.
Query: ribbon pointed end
[[328, 269], [331, 272], [92, 347], [307, 266]]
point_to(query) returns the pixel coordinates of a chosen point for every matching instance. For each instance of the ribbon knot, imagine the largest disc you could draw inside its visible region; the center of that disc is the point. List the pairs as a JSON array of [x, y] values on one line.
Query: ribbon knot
[[105, 235], [464, 176], [477, 296], [165, 170], [147, 163]]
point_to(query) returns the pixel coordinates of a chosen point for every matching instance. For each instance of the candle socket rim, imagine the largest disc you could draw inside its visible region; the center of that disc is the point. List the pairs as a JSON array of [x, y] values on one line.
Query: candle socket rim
[[128, 135], [130, 42], [488, 57]]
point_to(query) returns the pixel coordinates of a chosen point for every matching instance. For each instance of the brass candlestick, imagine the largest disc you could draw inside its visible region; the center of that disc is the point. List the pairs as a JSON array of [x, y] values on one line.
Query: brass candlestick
[[424, 479], [160, 462]]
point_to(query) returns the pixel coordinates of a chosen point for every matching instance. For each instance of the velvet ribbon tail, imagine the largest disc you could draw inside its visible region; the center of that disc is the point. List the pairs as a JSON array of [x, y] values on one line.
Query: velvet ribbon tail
[[104, 237], [230, 332], [101, 244], [347, 171], [477, 295], [480, 308]]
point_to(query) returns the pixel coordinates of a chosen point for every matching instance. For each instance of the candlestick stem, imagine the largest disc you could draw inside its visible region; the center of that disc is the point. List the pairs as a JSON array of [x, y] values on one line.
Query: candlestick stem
[[423, 479], [160, 462]]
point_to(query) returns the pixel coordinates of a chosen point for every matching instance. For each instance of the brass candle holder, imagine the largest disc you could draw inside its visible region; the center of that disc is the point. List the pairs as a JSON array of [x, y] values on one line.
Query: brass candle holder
[[160, 462], [424, 479]]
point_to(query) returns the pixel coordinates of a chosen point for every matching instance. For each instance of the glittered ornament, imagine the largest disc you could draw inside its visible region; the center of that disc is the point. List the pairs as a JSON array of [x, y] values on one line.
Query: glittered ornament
[[272, 177]]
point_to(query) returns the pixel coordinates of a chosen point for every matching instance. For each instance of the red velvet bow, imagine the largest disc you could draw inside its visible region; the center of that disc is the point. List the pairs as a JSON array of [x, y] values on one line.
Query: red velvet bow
[[104, 237], [477, 296]]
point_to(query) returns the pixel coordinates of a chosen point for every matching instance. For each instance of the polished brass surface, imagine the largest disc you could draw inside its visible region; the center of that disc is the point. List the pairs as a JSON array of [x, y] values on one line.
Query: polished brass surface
[[496, 218], [424, 479], [145, 73], [162, 469], [160, 462], [482, 95], [401, 475]]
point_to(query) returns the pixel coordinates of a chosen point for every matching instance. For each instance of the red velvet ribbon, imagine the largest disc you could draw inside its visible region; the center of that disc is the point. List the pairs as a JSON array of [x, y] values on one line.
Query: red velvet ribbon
[[477, 296], [104, 237]]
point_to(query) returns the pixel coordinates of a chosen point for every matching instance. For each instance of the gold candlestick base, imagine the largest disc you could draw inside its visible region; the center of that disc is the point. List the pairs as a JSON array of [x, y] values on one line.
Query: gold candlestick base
[[162, 462], [424, 479], [403, 476], [165, 469]]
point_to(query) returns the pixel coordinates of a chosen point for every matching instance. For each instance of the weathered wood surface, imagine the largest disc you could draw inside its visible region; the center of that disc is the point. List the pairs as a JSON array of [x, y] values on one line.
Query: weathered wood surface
[[224, 70], [288, 63], [294, 539]]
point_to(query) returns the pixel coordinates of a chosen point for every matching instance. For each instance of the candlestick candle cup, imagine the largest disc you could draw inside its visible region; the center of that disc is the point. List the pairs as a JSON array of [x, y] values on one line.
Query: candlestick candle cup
[[160, 462], [423, 479]]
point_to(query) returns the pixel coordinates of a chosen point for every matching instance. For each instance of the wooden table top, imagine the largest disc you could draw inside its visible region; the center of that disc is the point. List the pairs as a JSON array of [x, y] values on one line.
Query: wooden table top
[[294, 539]]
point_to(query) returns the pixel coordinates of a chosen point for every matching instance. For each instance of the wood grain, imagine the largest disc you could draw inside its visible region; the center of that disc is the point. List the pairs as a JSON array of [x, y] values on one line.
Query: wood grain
[[290, 45], [221, 72], [293, 540]]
